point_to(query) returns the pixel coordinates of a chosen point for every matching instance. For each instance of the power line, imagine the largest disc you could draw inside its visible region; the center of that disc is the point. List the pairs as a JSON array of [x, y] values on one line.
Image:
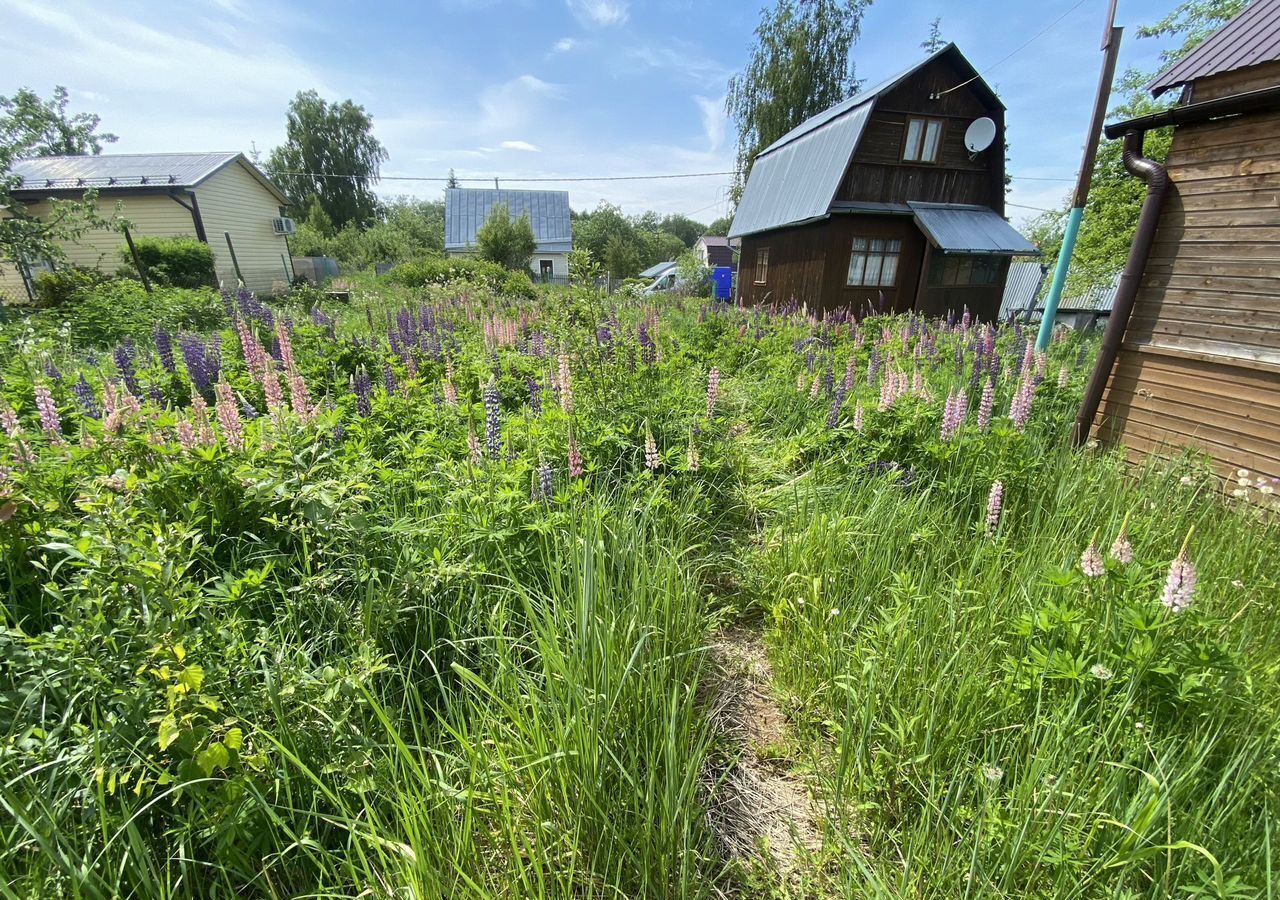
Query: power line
[[1024, 206], [574, 178]]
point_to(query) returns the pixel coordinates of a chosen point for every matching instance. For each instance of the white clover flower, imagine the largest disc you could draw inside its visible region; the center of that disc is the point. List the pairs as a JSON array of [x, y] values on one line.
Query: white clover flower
[[1243, 482], [1237, 583], [1242, 473], [1266, 489], [1101, 672]]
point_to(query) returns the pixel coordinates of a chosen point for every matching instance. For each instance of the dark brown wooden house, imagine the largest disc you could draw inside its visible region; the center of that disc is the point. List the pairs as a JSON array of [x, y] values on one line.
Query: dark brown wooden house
[[1191, 356], [878, 201]]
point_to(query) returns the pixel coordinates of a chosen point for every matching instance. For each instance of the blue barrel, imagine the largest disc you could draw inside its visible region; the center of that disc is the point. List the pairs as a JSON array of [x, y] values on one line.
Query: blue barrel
[[722, 282]]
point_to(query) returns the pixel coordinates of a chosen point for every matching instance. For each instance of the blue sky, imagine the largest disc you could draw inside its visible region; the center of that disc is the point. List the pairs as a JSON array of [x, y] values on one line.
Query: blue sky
[[534, 89]]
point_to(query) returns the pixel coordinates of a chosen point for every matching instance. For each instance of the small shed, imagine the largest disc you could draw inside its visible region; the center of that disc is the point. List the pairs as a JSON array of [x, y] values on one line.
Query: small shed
[[715, 251], [1191, 355], [221, 198], [466, 209]]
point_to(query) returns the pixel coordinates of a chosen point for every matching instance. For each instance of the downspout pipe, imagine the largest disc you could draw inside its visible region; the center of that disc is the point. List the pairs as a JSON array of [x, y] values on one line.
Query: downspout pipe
[[1157, 180]]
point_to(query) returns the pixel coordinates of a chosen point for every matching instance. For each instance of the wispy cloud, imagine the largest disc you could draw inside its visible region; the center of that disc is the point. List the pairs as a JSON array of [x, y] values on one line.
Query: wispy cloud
[[564, 45], [600, 13], [714, 121], [681, 58], [513, 103], [522, 146]]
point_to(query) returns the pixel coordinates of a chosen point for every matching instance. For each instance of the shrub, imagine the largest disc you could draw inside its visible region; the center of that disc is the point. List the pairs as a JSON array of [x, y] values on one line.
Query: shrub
[[110, 312], [173, 261], [518, 285], [448, 270], [56, 288]]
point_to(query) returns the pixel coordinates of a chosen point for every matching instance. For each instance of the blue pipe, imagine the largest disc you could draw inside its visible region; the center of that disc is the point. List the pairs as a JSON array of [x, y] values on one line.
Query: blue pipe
[[1059, 277]]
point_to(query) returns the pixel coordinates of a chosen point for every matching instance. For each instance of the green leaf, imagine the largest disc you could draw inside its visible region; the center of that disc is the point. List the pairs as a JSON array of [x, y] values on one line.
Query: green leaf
[[212, 758], [169, 731], [191, 678], [234, 739]]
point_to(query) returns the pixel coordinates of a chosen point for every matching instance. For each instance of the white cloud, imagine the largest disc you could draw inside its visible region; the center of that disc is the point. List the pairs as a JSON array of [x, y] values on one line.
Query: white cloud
[[600, 13], [680, 57], [714, 120], [523, 146], [564, 45], [514, 103]]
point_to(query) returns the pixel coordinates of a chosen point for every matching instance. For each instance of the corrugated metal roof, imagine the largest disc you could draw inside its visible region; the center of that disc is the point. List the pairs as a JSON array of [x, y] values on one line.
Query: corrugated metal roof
[[1251, 38], [796, 182], [1100, 296], [1021, 288], [466, 209], [795, 179], [957, 228], [657, 271], [128, 171]]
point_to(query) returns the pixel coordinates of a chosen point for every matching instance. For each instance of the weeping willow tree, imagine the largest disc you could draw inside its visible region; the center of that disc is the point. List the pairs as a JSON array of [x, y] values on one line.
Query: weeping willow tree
[[800, 65]]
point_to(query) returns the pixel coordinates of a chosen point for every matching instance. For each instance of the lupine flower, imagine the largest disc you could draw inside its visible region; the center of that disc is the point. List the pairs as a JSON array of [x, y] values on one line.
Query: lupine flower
[[1020, 406], [837, 401], [1121, 549], [535, 396], [954, 414], [651, 458], [164, 346], [492, 419], [1063, 377], [363, 388], [565, 384], [1180, 585], [816, 386], [255, 358], [50, 422], [275, 396], [857, 418], [473, 444], [200, 368], [648, 349], [995, 502], [450, 389], [575, 458], [229, 417], [1091, 561], [985, 405], [300, 398], [850, 373], [200, 419], [713, 391], [389, 380], [691, 457], [186, 435], [546, 482], [85, 397], [966, 319], [51, 370], [124, 364]]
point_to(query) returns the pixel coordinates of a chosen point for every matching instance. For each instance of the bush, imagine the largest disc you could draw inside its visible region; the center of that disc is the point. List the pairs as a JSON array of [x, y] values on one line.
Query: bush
[[451, 270], [108, 313], [519, 286], [56, 288], [173, 261]]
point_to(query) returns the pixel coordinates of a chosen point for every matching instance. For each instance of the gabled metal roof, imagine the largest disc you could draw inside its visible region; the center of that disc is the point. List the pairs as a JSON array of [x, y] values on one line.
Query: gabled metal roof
[[657, 271], [794, 180], [957, 228], [127, 171], [466, 209], [1251, 38]]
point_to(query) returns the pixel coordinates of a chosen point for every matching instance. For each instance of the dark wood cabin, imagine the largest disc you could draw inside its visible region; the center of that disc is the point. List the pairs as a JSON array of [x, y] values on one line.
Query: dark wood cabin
[[877, 202], [1197, 358]]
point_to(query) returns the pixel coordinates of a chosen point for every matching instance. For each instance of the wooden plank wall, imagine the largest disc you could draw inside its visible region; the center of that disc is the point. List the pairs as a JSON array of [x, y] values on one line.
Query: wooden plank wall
[[1200, 365]]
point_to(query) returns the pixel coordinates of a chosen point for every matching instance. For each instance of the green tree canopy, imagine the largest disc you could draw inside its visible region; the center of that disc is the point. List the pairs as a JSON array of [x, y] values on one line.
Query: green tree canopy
[[329, 153], [30, 126], [506, 241], [720, 227], [683, 227], [800, 65]]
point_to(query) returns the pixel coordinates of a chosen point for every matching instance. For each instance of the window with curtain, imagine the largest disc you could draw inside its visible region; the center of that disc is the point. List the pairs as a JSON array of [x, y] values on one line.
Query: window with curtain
[[924, 138], [874, 262], [762, 265]]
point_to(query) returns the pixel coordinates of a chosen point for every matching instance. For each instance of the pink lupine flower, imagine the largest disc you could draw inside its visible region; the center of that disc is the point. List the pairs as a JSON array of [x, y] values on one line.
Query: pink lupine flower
[[692, 455], [651, 458], [954, 414], [450, 389], [850, 374], [801, 381], [713, 391], [1028, 357], [229, 417], [1091, 561], [286, 347], [1180, 585], [9, 422], [1063, 376], [200, 418], [473, 445], [857, 418], [985, 405], [186, 435], [575, 458], [275, 396], [1020, 406], [566, 385], [995, 501], [1121, 549], [816, 387], [255, 358], [300, 398], [50, 421]]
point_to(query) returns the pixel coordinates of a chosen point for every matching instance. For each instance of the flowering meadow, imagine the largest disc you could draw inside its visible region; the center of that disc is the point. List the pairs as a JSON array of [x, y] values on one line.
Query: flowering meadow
[[412, 596]]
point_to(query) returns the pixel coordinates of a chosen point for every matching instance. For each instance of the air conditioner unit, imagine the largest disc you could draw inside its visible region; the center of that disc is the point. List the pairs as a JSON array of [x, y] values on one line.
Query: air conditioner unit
[[284, 226]]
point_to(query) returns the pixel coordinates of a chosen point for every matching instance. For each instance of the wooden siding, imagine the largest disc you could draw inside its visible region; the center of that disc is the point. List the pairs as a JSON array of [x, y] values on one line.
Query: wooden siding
[[152, 215], [878, 173], [1200, 366], [234, 201], [1250, 78]]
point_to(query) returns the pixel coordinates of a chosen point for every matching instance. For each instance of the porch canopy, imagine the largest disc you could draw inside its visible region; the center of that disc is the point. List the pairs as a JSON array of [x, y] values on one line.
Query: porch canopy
[[957, 228]]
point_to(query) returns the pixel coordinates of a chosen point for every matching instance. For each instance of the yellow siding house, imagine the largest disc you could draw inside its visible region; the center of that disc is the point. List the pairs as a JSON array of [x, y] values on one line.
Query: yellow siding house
[[222, 199]]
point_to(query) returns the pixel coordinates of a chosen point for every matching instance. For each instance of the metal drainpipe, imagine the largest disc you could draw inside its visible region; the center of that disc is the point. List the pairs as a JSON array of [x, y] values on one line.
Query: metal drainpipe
[[1157, 180]]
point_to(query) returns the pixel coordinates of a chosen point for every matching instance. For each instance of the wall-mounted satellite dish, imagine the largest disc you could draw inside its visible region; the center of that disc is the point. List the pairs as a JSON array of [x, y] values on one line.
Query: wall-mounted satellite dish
[[979, 135]]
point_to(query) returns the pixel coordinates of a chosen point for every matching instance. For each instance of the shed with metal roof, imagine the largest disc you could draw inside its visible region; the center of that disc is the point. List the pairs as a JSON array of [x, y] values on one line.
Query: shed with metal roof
[[467, 209]]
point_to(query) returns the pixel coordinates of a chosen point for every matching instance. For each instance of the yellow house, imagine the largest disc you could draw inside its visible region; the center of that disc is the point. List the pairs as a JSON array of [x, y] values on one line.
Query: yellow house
[[220, 198]]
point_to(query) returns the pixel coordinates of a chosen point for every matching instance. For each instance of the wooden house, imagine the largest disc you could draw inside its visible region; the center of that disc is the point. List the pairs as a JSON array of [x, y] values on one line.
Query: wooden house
[[222, 199], [1191, 355], [879, 203]]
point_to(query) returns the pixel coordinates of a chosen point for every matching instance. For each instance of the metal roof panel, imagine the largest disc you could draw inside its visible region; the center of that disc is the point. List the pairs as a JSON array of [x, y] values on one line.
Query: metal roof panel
[[956, 228], [1251, 38], [467, 208]]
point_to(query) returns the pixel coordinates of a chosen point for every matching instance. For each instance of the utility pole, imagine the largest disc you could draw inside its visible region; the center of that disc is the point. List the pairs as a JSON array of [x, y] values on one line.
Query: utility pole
[[1111, 50]]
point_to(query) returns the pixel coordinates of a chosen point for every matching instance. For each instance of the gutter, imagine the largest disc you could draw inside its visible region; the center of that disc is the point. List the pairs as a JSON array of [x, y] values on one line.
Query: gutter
[[1157, 179]]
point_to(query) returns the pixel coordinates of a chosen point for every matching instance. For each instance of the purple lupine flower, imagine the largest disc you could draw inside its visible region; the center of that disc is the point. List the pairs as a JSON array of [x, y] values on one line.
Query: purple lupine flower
[[247, 410], [873, 366], [155, 393], [1020, 407], [535, 395], [837, 401], [85, 397], [389, 380], [492, 419], [51, 371], [199, 367], [538, 344], [648, 350], [544, 487], [1180, 585], [164, 346], [50, 421], [363, 388], [124, 356], [850, 373], [986, 404], [995, 502], [966, 318], [713, 391], [1091, 561]]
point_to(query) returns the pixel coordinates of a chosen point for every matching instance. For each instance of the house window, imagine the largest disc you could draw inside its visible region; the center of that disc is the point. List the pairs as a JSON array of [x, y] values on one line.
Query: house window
[[924, 137], [546, 268], [951, 270], [762, 265], [874, 262]]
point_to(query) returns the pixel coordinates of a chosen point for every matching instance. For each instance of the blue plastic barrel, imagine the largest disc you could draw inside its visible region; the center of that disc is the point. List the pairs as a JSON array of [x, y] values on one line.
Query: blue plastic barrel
[[722, 282]]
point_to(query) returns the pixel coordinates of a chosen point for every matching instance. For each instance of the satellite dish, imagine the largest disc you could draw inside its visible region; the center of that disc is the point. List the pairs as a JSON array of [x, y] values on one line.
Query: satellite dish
[[979, 135]]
